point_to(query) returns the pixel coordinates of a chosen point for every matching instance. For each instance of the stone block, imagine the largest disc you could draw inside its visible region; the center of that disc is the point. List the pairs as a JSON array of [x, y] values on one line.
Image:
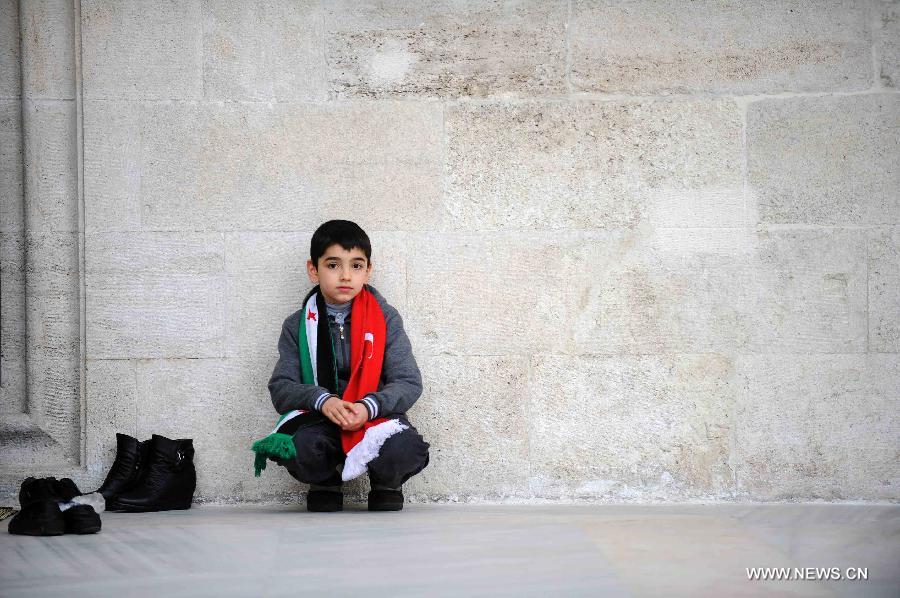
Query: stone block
[[446, 50], [825, 160], [54, 398], [889, 38], [474, 414], [592, 164], [113, 156], [266, 167], [112, 406], [142, 50], [628, 426], [470, 293], [13, 397], [51, 279], [10, 58], [884, 290], [12, 208], [263, 51], [155, 295], [767, 46], [51, 178], [12, 295], [48, 49], [817, 427], [267, 280]]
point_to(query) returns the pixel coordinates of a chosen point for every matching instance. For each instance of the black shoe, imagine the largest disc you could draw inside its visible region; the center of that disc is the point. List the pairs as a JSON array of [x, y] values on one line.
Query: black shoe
[[168, 482], [81, 519], [386, 500], [40, 514], [324, 501], [128, 467]]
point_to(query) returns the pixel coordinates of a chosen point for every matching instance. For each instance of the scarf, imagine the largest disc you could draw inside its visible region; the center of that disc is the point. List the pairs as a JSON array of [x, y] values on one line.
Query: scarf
[[314, 345]]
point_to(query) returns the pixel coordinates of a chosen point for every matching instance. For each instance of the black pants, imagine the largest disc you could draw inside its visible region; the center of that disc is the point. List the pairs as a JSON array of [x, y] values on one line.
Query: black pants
[[319, 454]]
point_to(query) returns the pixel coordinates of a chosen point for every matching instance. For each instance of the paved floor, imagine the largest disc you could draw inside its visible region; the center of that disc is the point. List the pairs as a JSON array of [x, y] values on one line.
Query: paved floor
[[465, 550]]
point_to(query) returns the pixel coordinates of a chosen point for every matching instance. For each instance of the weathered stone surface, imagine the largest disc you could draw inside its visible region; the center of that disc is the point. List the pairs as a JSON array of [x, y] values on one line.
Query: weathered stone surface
[[818, 427], [12, 208], [264, 167], [267, 280], [747, 47], [825, 160], [113, 154], [155, 295], [10, 58], [446, 49], [12, 387], [473, 414], [51, 179], [48, 49], [142, 50], [621, 427], [889, 30], [884, 290], [263, 51], [474, 294], [592, 164], [51, 294]]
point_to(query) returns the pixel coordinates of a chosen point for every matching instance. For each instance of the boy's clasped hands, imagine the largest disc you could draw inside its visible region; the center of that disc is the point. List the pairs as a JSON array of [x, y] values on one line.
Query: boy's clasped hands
[[349, 416]]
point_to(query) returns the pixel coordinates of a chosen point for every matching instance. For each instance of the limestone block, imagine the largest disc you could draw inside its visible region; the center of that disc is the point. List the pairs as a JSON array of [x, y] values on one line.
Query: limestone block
[[112, 406], [13, 398], [267, 280], [113, 157], [10, 58], [12, 295], [12, 208], [889, 30], [263, 51], [809, 292], [51, 294], [54, 398], [473, 413], [628, 426], [474, 294], [51, 180], [446, 49], [750, 47], [593, 164], [265, 167], [142, 50], [155, 295], [825, 160], [48, 49], [818, 427], [884, 290]]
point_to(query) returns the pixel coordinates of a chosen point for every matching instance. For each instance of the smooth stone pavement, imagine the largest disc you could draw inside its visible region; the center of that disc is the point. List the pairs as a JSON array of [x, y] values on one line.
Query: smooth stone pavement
[[463, 549]]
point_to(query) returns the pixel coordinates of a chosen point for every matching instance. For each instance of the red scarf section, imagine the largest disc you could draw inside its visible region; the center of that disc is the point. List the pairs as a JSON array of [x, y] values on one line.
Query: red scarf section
[[367, 341]]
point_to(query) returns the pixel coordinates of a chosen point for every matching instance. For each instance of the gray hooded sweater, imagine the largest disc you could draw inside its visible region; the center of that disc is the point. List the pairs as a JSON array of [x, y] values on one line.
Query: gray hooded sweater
[[399, 388]]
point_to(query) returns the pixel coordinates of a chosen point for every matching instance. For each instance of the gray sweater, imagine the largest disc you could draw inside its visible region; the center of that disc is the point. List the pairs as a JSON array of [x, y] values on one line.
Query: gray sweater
[[399, 388]]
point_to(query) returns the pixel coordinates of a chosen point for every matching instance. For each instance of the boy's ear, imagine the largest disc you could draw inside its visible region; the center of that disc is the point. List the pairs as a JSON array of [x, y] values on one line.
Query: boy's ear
[[312, 272]]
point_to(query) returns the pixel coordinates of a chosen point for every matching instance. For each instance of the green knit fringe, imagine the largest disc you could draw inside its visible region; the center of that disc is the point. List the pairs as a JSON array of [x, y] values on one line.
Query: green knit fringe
[[274, 446]]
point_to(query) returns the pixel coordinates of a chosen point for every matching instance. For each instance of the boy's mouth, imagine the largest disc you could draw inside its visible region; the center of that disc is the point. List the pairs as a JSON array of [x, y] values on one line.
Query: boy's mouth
[[345, 288]]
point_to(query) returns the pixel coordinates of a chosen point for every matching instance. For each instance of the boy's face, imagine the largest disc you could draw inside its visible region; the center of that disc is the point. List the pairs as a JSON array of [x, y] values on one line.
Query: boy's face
[[340, 274]]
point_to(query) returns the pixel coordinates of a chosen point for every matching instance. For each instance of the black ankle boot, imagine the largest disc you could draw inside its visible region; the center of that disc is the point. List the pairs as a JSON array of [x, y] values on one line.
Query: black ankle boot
[[126, 470], [168, 481]]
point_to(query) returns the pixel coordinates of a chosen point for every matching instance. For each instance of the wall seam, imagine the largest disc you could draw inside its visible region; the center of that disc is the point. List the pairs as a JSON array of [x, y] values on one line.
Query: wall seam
[[82, 267]]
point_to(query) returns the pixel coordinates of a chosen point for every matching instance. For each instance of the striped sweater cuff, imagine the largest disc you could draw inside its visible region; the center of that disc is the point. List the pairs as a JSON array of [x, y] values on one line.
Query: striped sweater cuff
[[371, 405], [320, 400]]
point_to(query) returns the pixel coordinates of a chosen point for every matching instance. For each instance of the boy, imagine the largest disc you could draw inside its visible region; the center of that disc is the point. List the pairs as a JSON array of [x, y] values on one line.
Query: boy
[[344, 385]]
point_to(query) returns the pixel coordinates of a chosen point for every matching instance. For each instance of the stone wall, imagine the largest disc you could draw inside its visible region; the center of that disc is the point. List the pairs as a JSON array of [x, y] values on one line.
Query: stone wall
[[645, 251]]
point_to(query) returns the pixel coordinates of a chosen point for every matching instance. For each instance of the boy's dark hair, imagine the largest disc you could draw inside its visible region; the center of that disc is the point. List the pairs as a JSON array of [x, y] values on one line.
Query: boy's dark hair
[[347, 234]]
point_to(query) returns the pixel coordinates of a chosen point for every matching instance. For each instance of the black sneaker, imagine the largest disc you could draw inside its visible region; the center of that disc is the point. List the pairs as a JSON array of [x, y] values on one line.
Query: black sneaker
[[386, 500], [81, 519], [324, 501], [40, 514]]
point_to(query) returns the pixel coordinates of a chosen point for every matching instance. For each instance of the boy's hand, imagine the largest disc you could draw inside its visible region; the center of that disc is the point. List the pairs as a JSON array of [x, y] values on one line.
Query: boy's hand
[[359, 415], [340, 412]]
